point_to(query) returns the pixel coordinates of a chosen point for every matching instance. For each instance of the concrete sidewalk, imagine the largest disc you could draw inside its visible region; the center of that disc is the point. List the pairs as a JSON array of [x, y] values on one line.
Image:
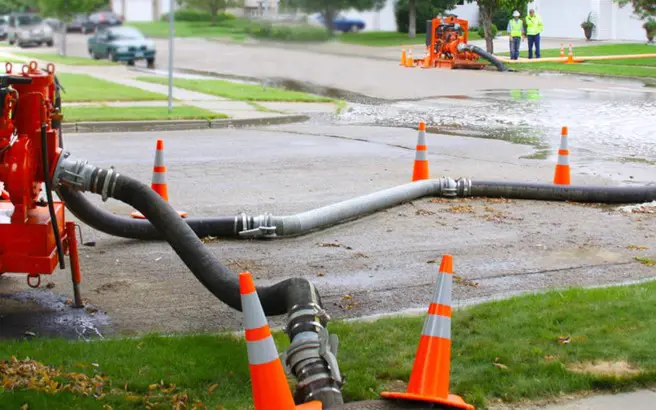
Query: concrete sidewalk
[[638, 400], [235, 109]]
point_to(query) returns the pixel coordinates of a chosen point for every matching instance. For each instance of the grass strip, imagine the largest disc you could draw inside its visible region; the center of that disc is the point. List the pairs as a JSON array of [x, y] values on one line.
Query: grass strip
[[85, 88], [239, 91], [81, 114], [528, 347], [65, 60]]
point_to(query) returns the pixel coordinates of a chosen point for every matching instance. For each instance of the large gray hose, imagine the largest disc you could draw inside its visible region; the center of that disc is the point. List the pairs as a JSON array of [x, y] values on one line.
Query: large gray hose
[[489, 57], [316, 370], [572, 193]]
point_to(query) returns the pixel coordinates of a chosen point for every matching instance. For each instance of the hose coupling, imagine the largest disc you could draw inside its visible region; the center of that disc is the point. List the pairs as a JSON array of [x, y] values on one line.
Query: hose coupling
[[448, 187], [72, 173], [464, 187], [258, 227], [80, 176]]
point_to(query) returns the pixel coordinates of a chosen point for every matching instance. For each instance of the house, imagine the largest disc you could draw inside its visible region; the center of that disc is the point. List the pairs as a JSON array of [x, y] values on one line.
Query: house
[[385, 19], [141, 10], [563, 18]]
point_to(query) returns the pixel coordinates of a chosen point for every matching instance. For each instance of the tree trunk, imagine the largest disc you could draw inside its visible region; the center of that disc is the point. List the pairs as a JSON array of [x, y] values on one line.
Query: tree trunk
[[329, 20], [412, 18], [213, 12], [486, 20]]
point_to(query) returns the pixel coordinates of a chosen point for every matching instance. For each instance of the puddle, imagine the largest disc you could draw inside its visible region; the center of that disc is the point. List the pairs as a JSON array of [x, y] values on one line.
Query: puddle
[[42, 313]]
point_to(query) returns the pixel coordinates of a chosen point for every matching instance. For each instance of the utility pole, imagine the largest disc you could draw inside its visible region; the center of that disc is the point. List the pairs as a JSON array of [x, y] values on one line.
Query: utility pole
[[156, 9], [171, 37]]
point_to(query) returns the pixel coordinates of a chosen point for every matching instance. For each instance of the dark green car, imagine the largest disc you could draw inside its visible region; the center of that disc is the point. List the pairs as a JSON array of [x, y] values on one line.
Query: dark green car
[[125, 44]]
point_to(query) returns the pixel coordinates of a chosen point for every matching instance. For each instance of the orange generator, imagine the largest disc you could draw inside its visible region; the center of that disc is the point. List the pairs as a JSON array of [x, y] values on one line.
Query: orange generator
[[446, 43]]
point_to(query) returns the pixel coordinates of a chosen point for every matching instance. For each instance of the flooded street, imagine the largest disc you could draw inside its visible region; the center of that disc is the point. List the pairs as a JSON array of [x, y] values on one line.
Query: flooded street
[[612, 133]]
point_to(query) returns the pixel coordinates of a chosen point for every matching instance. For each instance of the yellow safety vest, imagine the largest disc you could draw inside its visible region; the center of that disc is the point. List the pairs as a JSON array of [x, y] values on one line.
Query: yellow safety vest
[[534, 25], [516, 28]]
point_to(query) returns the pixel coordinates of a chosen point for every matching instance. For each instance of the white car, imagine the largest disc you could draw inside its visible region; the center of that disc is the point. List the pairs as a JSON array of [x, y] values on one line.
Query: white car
[[29, 29]]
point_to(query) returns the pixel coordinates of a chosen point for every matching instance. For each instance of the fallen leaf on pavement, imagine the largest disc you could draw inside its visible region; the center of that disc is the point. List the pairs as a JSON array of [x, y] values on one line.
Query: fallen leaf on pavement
[[465, 282], [50, 285], [637, 248], [424, 212], [329, 244]]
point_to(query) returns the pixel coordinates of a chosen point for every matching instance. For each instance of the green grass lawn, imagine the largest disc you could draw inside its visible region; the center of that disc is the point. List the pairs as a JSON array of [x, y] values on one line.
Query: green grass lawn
[[66, 60], [160, 29], [528, 347], [644, 67], [387, 39], [239, 91], [84, 88], [81, 113]]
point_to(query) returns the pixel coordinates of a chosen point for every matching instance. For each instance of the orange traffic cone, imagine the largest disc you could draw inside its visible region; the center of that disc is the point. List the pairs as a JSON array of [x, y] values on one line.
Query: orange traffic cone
[[427, 60], [570, 55], [562, 177], [403, 57], [429, 381], [268, 380], [562, 51], [410, 62], [420, 169], [158, 183]]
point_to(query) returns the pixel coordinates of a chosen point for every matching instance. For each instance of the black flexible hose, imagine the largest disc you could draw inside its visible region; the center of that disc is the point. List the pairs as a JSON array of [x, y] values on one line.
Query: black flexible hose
[[549, 192], [489, 57], [51, 202]]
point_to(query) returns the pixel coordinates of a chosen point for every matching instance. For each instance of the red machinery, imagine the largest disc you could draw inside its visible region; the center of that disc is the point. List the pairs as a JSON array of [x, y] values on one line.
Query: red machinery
[[38, 236], [445, 39]]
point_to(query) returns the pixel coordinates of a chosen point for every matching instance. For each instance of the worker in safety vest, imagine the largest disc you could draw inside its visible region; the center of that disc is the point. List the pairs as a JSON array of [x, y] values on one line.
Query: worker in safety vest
[[516, 30], [534, 27]]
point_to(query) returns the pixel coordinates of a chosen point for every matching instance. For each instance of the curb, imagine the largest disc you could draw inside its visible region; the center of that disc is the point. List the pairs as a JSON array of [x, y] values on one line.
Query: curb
[[179, 125]]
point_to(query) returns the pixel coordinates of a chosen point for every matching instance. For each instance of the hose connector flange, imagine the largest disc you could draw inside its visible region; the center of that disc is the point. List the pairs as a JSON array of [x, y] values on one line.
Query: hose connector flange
[[77, 175], [464, 187], [448, 187], [258, 227]]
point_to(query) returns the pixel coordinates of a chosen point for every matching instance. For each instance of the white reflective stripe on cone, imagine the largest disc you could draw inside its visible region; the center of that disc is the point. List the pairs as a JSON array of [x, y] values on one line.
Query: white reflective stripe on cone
[[421, 139], [443, 289], [262, 351], [159, 158], [437, 326], [253, 314], [563, 159], [564, 143], [159, 178], [421, 156]]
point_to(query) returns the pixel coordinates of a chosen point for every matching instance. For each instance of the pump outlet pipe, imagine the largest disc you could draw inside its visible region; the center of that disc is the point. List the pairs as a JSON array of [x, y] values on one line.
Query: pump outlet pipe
[[489, 57], [312, 354]]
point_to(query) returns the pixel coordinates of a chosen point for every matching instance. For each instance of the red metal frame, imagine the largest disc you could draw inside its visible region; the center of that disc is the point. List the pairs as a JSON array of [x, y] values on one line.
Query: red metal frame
[[443, 48], [28, 244]]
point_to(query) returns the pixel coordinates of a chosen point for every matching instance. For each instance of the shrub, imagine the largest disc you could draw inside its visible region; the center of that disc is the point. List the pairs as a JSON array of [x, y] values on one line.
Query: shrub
[[283, 32], [493, 27], [194, 15]]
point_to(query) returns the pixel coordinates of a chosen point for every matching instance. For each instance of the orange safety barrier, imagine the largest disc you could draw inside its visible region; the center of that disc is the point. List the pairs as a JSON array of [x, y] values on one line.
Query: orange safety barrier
[[562, 175], [420, 169], [429, 380], [158, 183], [268, 380]]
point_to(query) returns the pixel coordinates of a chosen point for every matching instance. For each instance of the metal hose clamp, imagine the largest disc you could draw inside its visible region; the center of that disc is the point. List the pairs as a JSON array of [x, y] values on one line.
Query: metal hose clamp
[[464, 187], [105, 192], [262, 227]]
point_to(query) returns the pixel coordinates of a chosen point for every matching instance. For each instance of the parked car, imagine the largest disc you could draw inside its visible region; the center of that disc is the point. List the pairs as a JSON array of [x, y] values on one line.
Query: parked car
[[28, 28], [342, 23], [53, 23], [81, 23], [104, 19], [4, 26], [121, 44]]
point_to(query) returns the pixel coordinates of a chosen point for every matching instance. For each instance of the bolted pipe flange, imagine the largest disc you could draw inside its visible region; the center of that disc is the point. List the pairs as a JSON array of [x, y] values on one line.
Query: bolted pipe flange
[[259, 227], [464, 187]]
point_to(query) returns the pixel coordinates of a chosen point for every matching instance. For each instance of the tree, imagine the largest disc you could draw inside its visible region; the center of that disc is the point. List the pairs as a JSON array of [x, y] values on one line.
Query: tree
[[330, 8], [424, 10], [212, 6], [8, 6], [486, 11], [642, 8], [65, 10], [436, 6]]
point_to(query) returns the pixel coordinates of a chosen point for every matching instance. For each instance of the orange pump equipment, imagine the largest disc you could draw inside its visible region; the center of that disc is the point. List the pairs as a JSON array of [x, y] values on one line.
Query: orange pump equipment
[[34, 234], [446, 40]]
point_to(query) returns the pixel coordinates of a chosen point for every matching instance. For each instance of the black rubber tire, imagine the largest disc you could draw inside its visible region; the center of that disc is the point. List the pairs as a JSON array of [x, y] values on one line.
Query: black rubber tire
[[50, 43], [131, 63], [150, 63]]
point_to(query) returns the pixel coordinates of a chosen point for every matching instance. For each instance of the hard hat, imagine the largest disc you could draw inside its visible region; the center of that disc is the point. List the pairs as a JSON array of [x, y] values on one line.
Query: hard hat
[[515, 13]]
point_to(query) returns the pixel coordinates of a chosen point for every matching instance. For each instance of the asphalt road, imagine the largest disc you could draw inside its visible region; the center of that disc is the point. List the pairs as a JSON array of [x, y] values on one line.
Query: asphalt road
[[356, 71], [381, 263]]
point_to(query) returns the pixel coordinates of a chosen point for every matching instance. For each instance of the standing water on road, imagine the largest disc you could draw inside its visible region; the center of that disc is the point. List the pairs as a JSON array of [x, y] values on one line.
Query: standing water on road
[[611, 133]]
